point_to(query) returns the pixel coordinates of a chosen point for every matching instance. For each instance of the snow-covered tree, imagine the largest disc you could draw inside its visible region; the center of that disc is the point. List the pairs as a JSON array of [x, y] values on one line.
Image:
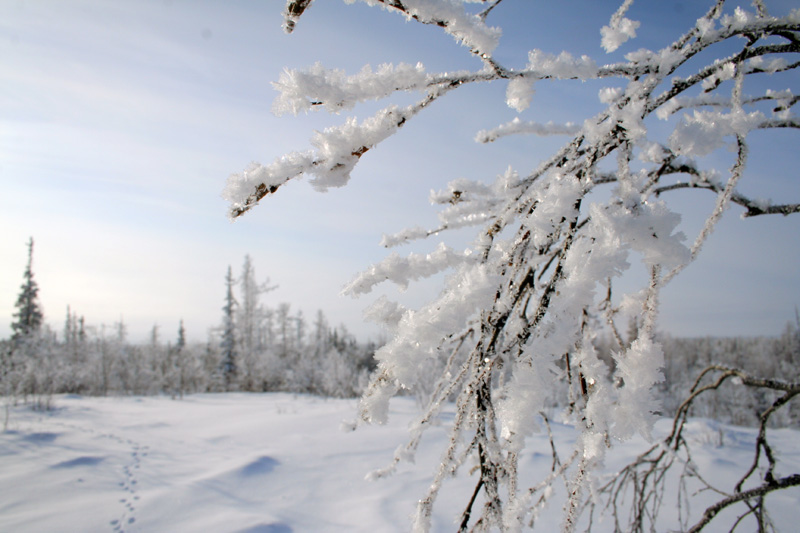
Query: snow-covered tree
[[30, 368], [250, 324], [519, 311], [182, 372], [286, 338], [227, 344], [28, 317], [321, 337]]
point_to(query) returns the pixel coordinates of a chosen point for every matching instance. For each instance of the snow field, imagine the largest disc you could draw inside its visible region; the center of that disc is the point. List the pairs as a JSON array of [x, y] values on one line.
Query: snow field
[[279, 463]]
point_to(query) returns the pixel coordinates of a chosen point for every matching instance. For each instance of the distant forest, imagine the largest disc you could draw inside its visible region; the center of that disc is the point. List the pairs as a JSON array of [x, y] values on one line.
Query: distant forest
[[257, 348]]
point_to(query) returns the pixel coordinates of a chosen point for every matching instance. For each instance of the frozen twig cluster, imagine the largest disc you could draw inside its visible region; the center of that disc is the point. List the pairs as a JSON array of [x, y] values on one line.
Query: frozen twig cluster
[[644, 481], [519, 310]]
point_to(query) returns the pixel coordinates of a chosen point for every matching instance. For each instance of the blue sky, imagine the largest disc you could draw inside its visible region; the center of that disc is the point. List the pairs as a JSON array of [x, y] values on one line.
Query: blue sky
[[120, 121]]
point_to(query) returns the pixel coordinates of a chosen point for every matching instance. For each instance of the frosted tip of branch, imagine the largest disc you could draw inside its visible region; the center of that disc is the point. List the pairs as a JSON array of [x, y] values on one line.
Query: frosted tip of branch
[[615, 35], [294, 9]]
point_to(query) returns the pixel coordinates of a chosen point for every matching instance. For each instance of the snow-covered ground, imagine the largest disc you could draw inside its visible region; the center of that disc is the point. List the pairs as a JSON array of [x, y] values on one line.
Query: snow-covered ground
[[274, 463]]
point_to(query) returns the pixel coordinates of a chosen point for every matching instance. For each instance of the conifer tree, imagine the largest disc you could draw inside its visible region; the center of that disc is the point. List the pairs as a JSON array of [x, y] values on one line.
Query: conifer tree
[[228, 341], [29, 316], [181, 337], [69, 327], [180, 371]]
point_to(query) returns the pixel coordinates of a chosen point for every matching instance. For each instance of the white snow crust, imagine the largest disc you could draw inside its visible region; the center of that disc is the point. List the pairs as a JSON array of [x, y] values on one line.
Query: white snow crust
[[279, 463]]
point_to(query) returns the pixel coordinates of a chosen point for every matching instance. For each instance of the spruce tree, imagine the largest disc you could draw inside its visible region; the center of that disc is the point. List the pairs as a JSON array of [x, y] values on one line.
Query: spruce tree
[[180, 361], [181, 337], [228, 341], [29, 317]]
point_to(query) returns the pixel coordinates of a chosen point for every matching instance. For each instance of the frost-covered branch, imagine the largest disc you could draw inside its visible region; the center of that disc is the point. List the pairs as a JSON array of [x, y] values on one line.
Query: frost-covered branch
[[754, 207], [517, 127], [485, 13], [702, 181], [517, 315], [292, 13], [337, 152], [403, 270], [645, 478], [451, 16], [317, 86]]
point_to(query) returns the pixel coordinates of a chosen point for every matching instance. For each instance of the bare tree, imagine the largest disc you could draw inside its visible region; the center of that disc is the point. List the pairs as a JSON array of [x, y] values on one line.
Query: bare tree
[[519, 310], [249, 322]]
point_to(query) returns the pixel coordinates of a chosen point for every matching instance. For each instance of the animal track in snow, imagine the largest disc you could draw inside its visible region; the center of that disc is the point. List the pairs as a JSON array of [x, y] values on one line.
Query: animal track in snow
[[128, 484]]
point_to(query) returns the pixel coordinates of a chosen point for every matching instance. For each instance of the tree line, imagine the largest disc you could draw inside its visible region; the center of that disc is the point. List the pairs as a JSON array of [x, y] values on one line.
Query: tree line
[[256, 348]]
